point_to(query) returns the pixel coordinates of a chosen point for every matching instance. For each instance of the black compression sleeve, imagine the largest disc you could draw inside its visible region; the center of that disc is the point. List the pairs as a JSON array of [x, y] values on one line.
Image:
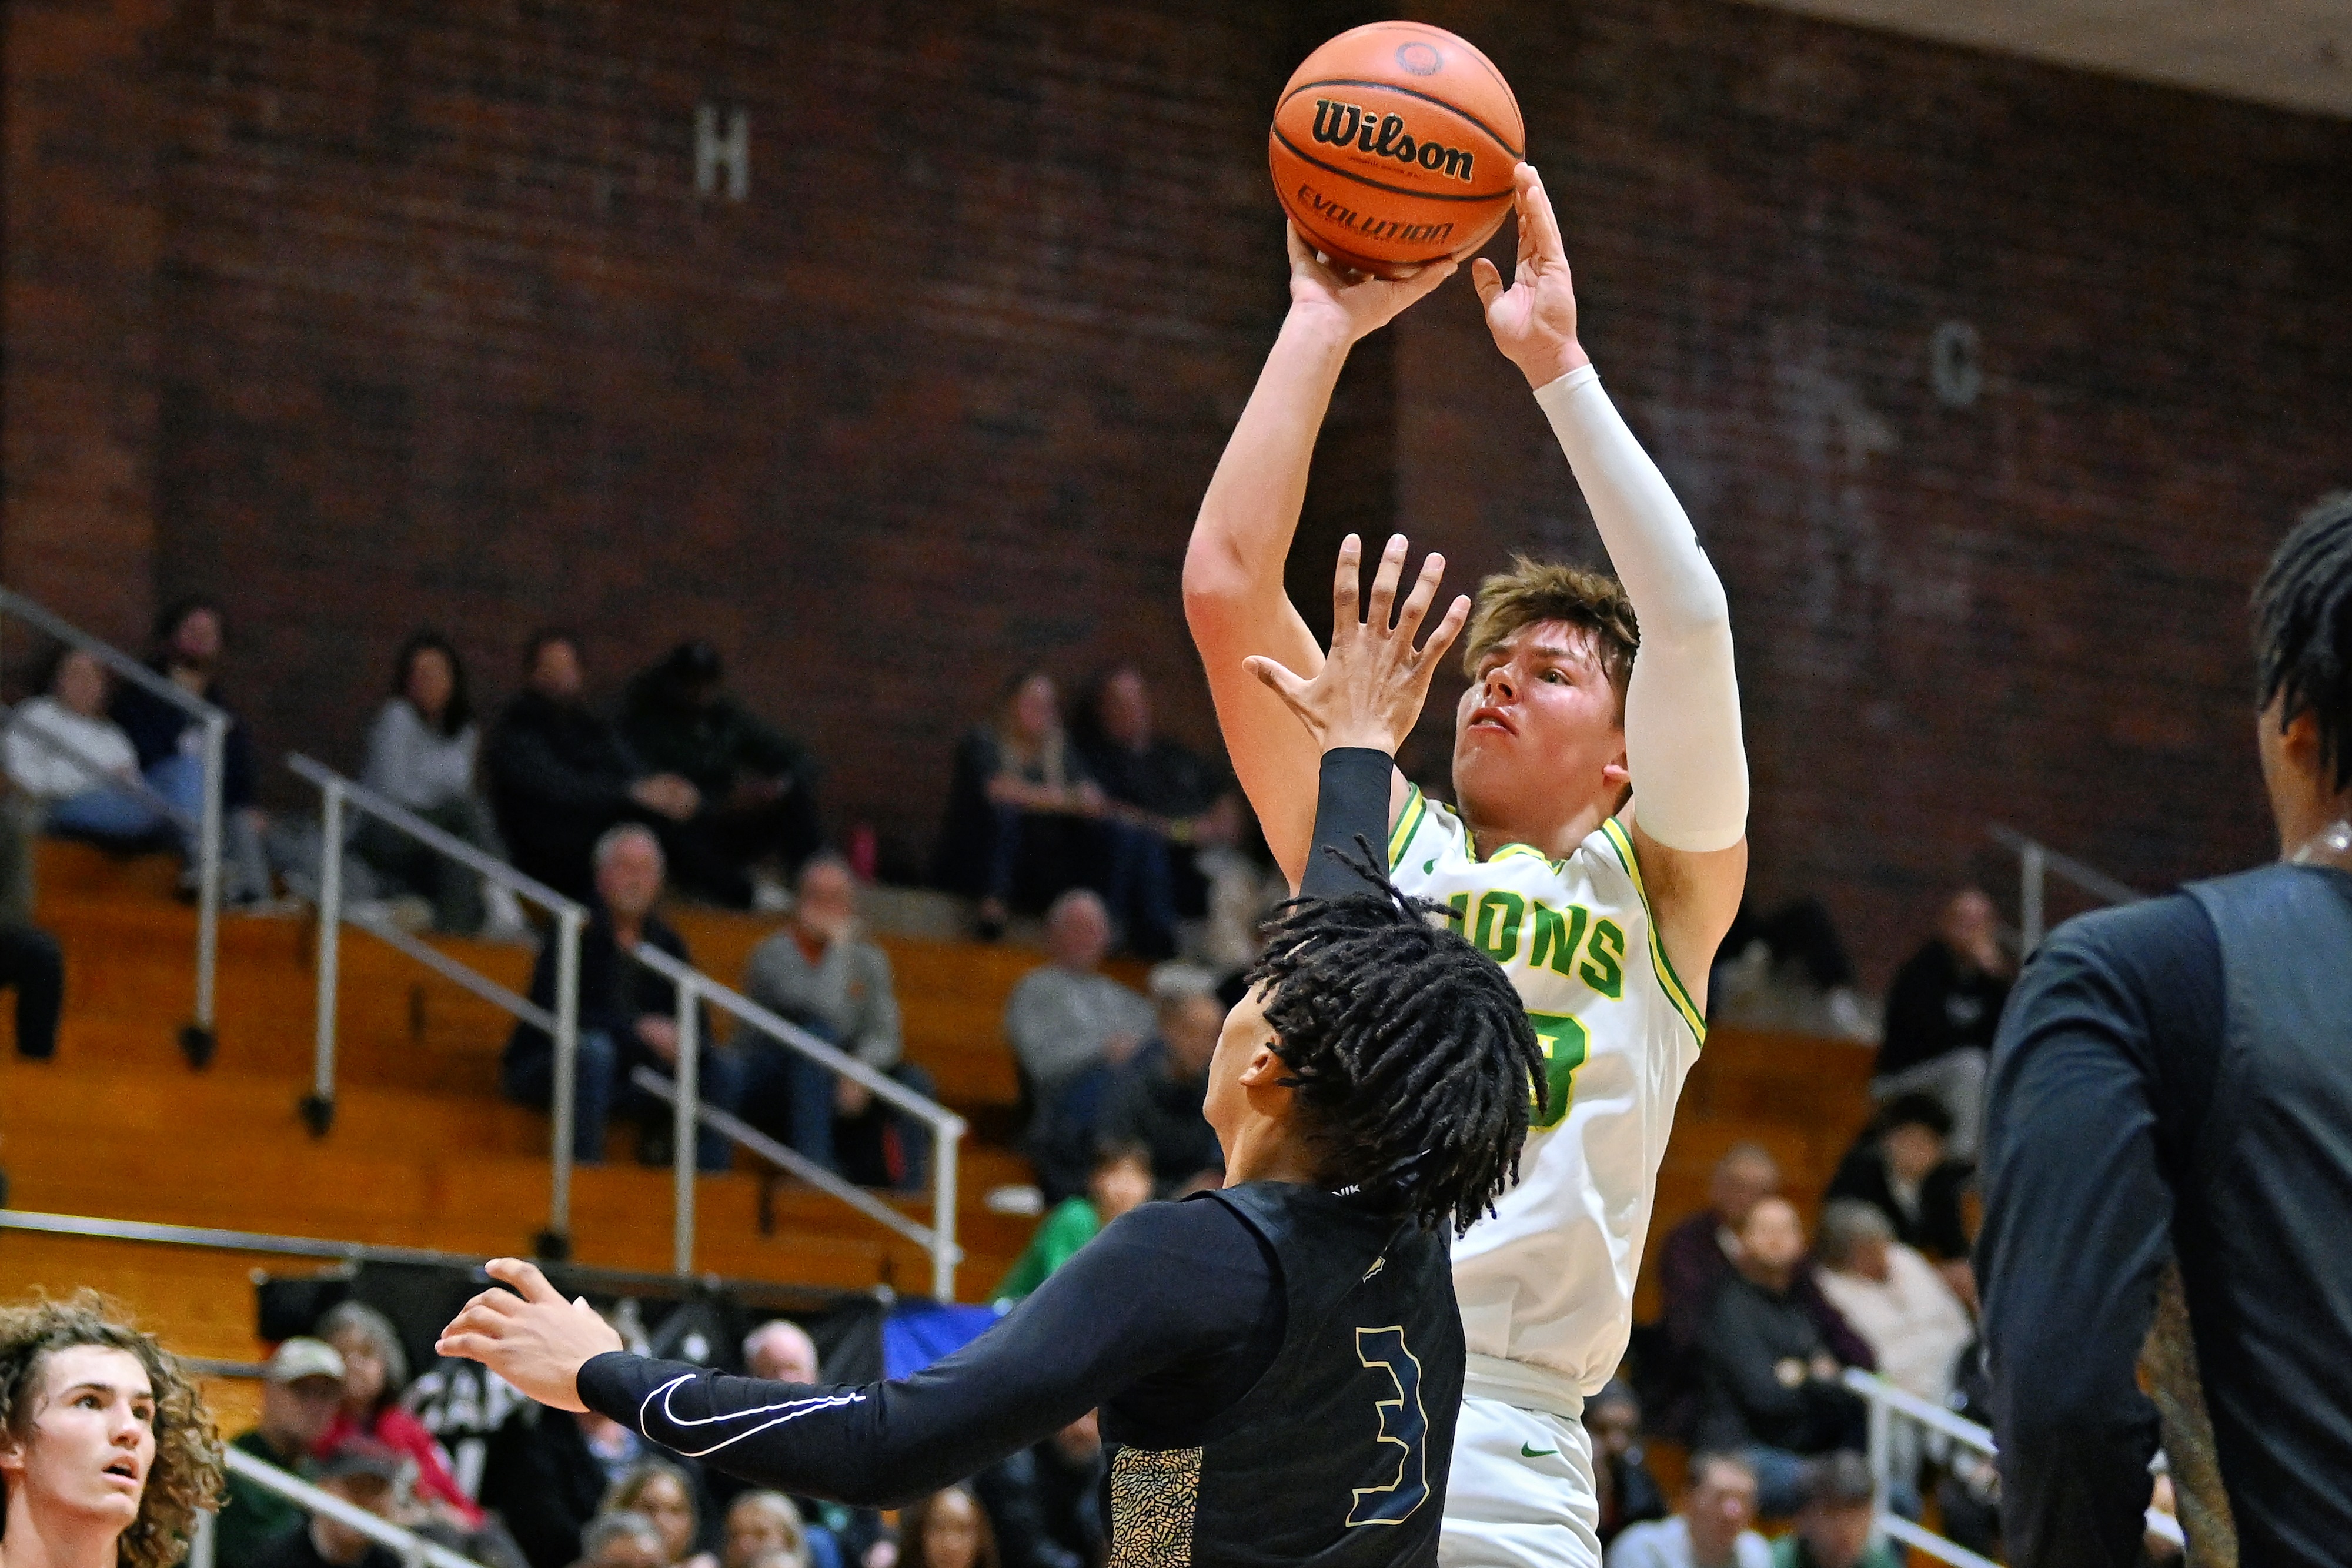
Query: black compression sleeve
[[1351, 802], [1112, 1315]]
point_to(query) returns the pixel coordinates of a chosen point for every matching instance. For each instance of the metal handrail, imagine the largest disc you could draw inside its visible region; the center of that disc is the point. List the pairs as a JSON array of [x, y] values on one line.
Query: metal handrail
[[199, 1038], [337, 793], [948, 1129], [2035, 863], [412, 1547], [58, 745]]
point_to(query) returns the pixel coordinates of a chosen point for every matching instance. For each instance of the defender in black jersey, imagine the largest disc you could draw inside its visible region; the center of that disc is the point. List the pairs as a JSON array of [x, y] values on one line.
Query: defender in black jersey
[[1278, 1363]]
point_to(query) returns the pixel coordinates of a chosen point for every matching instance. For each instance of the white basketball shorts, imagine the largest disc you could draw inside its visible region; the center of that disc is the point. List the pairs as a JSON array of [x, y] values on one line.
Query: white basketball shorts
[[1521, 1494]]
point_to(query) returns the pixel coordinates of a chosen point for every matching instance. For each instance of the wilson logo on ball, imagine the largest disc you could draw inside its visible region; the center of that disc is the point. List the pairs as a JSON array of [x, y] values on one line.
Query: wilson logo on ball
[[1384, 136]]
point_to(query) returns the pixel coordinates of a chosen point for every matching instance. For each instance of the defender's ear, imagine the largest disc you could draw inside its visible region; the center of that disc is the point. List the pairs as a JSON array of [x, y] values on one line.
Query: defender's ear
[[1264, 1070]]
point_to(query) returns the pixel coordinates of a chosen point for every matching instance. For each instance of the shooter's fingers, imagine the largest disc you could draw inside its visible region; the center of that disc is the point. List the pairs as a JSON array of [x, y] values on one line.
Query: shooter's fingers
[[526, 1278], [1536, 215], [1345, 577], [1384, 584], [1424, 590], [1488, 279]]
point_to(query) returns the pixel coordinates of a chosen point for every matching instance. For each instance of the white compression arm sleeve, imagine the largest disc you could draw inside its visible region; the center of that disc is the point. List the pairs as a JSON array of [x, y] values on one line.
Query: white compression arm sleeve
[[1682, 706]]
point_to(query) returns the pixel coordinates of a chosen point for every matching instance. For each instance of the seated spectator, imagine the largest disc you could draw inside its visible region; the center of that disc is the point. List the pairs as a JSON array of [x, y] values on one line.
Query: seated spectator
[[620, 1540], [763, 1526], [1160, 794], [78, 763], [376, 1373], [367, 1476], [946, 1530], [627, 1015], [1772, 1385], [1628, 1492], [1701, 1253], [301, 1393], [665, 1494], [1796, 946], [1712, 1530], [1941, 1014], [560, 776], [758, 785], [1071, 1467], [171, 746], [546, 1472], [1895, 1299], [421, 754], [1838, 1526], [1156, 1100], [31, 962], [1121, 1180], [1898, 1167], [822, 973], [1065, 1016], [1024, 814], [781, 1352]]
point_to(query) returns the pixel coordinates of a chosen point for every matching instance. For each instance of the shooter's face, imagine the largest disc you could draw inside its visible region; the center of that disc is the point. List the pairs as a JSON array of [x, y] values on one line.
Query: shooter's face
[[1539, 732]]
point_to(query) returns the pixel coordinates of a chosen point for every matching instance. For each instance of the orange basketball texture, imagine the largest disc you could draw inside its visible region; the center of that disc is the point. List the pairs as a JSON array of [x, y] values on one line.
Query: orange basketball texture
[[1394, 145]]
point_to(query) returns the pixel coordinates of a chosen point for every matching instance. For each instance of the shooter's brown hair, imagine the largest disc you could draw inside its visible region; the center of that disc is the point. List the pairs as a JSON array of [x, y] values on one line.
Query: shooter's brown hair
[[186, 1476], [1532, 591]]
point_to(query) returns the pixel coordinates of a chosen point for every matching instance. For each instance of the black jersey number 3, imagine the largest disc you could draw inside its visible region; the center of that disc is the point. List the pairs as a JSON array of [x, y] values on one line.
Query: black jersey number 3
[[1402, 1423]]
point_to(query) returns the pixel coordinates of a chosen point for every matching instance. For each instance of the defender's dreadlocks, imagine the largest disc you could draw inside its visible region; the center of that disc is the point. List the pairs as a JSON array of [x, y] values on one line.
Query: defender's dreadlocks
[[1412, 1054], [2303, 631]]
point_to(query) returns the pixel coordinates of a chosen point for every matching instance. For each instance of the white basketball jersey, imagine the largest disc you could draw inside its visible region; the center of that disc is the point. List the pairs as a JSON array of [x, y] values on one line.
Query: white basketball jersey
[[1548, 1279]]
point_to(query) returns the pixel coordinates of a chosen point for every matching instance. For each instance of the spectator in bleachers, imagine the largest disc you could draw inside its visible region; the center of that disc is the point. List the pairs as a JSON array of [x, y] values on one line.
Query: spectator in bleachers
[[1628, 1493], [1025, 816], [756, 784], [1895, 1299], [1701, 1253], [1837, 1526], [77, 1391], [1119, 1181], [762, 1524], [1156, 1099], [1712, 1530], [560, 776], [301, 1392], [822, 973], [545, 1473], [1941, 1014], [1796, 944], [31, 962], [947, 1530], [66, 754], [1772, 1387], [1898, 1167], [781, 1352], [376, 1373], [188, 639], [620, 1541], [421, 754], [1066, 1016], [1071, 1466], [1160, 793], [628, 1014], [366, 1475], [667, 1495]]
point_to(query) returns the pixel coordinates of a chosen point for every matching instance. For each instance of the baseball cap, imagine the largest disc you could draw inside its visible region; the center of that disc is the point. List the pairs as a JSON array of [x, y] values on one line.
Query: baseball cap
[[302, 1357], [362, 1456]]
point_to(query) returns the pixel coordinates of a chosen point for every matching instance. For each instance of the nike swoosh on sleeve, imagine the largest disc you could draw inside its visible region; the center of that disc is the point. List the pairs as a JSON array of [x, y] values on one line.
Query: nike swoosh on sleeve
[[762, 1418]]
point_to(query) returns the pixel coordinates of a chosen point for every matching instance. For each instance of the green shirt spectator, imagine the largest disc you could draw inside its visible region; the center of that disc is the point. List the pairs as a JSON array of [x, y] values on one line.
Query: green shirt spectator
[[1121, 1180], [301, 1394]]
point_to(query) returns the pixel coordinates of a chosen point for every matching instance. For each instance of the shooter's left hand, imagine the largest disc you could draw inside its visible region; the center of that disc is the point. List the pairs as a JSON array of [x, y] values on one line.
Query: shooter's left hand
[[1373, 684], [536, 1341], [1533, 320]]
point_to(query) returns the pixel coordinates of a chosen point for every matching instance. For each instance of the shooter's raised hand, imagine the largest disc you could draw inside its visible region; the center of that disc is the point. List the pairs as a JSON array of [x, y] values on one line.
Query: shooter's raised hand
[[1374, 680], [1360, 305], [535, 1340], [1533, 320]]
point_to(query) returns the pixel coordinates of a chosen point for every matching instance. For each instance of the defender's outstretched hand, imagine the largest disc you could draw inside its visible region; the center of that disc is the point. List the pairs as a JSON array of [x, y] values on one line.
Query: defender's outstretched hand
[[1363, 305], [1533, 320], [1373, 684], [536, 1341]]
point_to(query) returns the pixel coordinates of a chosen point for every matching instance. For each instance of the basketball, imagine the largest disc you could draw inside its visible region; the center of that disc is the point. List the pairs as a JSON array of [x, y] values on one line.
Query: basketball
[[1392, 146]]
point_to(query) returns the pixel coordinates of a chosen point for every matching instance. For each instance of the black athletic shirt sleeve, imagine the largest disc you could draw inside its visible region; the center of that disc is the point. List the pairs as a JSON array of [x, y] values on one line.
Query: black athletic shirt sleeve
[[1351, 804], [2105, 1062], [1175, 1295]]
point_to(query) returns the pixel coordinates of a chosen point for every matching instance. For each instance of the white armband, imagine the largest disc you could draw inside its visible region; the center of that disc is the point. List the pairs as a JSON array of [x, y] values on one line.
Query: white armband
[[1682, 708]]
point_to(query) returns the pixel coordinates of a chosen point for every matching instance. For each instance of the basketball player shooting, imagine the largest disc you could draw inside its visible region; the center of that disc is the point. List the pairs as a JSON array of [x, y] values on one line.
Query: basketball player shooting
[[1596, 850]]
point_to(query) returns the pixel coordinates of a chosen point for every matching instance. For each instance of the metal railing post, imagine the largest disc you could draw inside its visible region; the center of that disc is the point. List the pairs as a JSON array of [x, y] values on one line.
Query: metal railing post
[[1881, 1442], [562, 1110], [200, 1549], [200, 1038], [2032, 868], [945, 1143], [684, 1125], [319, 1110]]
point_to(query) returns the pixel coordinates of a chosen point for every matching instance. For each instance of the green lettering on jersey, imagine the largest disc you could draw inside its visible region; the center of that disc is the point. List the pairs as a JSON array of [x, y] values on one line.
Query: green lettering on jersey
[[1604, 959], [1564, 1044], [1498, 924], [1457, 912], [1558, 937]]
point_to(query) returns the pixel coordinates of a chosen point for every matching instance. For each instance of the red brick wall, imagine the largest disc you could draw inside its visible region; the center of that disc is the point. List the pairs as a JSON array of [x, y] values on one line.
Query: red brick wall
[[365, 316]]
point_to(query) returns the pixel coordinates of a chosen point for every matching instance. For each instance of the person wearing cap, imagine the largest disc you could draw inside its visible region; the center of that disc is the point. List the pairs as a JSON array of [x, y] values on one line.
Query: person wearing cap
[[364, 1473], [1838, 1526], [301, 1391], [758, 785]]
